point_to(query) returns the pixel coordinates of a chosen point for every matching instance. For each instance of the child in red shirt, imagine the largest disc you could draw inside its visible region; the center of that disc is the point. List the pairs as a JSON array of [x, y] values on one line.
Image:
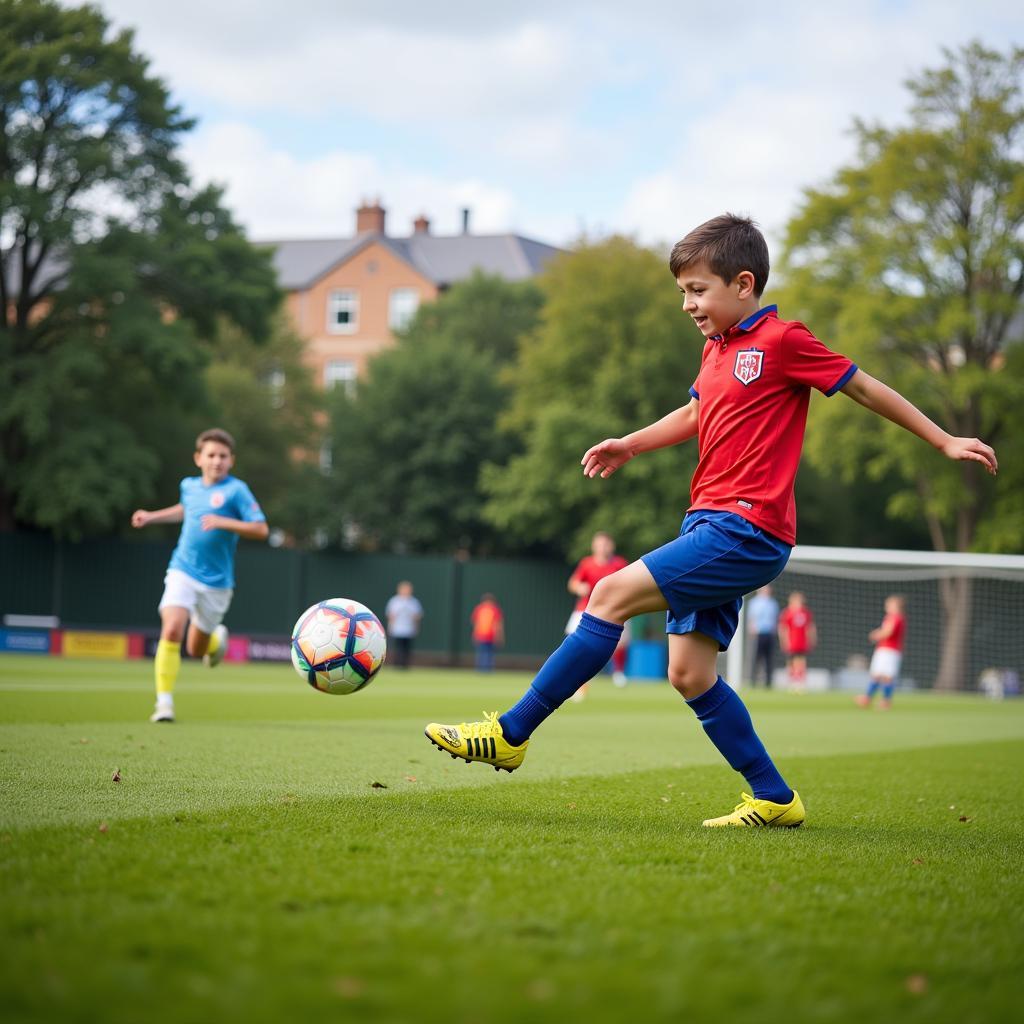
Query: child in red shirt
[[591, 569], [885, 662], [798, 636]]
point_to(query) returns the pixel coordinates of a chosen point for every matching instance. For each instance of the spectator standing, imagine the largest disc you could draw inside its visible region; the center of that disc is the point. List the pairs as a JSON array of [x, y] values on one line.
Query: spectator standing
[[404, 614], [763, 619], [488, 631], [799, 636]]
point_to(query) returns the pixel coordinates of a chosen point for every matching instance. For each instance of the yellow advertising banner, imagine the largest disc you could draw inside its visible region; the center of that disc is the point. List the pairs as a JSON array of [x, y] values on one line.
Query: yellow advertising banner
[[95, 645]]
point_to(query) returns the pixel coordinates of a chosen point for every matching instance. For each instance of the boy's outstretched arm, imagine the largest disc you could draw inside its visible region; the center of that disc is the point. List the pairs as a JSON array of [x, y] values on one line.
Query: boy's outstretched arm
[[614, 452], [172, 514], [882, 399]]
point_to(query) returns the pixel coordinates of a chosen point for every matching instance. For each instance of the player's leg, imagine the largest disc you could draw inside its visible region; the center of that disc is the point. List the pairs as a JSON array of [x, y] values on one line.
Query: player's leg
[[502, 742], [167, 663], [888, 685], [692, 671], [864, 700], [207, 635], [583, 654], [176, 606], [798, 673]]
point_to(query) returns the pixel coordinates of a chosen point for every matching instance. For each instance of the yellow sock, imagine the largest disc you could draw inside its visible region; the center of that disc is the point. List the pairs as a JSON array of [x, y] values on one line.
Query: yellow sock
[[167, 665], [214, 645]]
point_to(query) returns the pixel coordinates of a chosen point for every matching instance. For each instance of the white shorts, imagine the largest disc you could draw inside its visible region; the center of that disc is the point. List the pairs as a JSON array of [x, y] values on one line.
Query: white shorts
[[885, 663], [574, 621], [206, 605]]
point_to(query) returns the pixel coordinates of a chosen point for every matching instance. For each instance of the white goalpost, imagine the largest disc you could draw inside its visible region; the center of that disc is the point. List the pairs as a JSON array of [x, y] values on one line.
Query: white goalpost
[[965, 617]]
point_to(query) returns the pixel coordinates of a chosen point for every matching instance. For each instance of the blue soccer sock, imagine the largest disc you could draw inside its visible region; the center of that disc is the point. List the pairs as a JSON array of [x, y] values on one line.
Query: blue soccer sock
[[727, 722], [580, 657], [887, 691], [873, 688]]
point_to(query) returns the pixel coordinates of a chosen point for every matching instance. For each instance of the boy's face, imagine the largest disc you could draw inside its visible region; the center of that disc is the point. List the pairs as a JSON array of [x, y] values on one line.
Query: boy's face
[[214, 461], [714, 304], [602, 547]]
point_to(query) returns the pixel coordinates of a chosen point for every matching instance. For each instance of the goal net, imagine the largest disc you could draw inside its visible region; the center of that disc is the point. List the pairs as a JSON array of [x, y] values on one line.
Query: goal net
[[964, 612]]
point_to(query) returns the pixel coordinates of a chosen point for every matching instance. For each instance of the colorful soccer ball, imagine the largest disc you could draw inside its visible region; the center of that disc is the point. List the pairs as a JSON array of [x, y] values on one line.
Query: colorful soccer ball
[[338, 645]]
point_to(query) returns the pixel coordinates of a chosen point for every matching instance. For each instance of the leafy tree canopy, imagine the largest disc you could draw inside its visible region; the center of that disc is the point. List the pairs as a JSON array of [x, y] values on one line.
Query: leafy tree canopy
[[113, 268], [912, 262], [409, 443], [613, 351]]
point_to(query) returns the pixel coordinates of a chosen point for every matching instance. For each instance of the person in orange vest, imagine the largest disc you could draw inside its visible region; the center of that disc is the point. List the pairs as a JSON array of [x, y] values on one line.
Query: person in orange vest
[[488, 631]]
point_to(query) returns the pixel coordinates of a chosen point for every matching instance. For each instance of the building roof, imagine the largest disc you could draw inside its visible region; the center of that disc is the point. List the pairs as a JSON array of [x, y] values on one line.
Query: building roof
[[442, 259]]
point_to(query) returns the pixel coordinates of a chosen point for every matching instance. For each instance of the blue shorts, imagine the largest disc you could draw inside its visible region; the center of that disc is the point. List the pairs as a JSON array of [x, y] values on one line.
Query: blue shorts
[[704, 573]]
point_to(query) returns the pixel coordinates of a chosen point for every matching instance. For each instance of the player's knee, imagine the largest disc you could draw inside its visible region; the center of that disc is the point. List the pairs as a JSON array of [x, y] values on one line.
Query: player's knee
[[689, 680], [172, 631], [608, 599]]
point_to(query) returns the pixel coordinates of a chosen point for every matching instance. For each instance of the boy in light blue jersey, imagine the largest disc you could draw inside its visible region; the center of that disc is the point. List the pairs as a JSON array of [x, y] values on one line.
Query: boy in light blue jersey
[[215, 510]]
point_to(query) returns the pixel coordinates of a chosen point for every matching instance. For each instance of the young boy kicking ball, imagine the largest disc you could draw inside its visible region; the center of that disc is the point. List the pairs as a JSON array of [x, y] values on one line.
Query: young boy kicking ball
[[748, 408], [215, 510]]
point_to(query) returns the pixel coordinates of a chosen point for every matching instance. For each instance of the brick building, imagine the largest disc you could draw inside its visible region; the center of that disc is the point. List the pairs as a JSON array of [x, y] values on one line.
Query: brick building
[[347, 296]]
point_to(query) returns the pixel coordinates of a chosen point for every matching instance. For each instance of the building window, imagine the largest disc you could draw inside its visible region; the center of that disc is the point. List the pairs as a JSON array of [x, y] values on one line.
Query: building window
[[402, 306], [343, 312], [340, 372]]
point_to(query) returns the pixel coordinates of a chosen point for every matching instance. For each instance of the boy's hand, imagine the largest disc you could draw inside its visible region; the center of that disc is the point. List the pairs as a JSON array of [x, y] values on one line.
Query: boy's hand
[[606, 457], [140, 517], [213, 522], [972, 449]]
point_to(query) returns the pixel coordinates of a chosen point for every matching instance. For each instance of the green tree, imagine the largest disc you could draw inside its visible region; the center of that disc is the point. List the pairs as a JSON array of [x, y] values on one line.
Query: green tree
[[613, 351], [266, 396], [912, 262], [112, 269], [409, 443]]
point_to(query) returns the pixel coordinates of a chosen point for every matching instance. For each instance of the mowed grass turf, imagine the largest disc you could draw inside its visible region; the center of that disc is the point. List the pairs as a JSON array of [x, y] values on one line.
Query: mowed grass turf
[[279, 854]]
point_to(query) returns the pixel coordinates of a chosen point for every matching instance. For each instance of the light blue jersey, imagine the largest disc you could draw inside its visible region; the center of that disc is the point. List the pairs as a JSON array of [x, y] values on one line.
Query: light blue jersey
[[209, 556]]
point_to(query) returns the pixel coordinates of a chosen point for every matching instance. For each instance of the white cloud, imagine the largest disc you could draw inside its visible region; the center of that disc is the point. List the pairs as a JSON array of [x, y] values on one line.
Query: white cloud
[[751, 144], [277, 195], [538, 113]]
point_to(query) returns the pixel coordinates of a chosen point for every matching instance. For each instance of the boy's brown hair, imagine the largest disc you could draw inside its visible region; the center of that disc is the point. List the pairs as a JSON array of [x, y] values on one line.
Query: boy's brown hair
[[727, 244], [217, 435]]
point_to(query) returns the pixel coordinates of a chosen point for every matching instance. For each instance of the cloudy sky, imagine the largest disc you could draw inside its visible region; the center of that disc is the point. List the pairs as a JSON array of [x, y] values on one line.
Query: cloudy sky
[[552, 118]]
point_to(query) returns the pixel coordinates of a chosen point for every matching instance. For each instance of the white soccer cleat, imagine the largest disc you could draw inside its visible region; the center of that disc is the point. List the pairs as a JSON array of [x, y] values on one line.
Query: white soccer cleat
[[214, 659], [619, 679], [162, 714]]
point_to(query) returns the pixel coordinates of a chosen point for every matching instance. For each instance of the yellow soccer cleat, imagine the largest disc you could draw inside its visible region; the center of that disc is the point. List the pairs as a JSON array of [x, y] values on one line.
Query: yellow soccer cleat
[[478, 741], [751, 813]]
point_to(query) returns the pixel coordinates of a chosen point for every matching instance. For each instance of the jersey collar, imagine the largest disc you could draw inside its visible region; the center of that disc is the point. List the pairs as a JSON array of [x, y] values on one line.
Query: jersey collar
[[752, 321]]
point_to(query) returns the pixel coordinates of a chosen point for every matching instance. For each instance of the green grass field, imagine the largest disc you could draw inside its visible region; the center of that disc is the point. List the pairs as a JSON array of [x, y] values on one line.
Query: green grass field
[[281, 854]]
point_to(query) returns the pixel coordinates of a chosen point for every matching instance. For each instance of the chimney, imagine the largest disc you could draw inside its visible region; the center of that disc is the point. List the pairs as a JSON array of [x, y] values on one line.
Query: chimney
[[465, 220], [421, 225], [370, 217]]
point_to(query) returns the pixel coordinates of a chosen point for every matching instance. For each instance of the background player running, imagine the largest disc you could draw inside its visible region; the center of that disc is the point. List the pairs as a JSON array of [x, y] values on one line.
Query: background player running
[[215, 510], [888, 654]]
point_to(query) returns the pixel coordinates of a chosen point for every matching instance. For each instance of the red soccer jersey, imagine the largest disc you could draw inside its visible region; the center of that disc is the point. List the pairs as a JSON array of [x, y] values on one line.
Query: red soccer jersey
[[797, 623], [486, 618], [895, 639], [590, 570], [754, 386]]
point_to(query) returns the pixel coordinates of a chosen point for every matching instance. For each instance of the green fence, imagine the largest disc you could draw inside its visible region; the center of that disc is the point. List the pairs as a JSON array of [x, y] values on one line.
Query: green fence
[[116, 584]]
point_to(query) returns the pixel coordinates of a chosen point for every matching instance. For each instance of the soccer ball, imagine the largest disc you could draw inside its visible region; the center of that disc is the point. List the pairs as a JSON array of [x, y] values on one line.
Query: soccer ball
[[338, 645]]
